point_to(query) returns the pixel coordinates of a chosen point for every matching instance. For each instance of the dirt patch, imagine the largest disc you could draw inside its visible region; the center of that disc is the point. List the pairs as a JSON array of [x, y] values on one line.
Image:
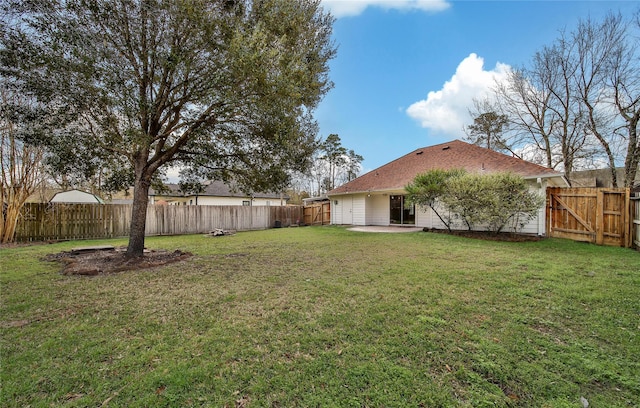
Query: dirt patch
[[489, 236], [107, 261]]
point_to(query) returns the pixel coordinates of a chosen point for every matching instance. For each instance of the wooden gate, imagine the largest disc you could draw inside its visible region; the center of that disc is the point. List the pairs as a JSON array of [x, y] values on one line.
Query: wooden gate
[[598, 215], [318, 214]]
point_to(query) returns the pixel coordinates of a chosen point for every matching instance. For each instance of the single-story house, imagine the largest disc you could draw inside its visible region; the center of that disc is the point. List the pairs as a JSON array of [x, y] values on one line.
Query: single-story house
[[76, 197], [377, 197], [215, 193]]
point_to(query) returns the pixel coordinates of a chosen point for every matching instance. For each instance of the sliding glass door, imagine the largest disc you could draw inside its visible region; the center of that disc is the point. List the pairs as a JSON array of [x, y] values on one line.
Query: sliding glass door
[[399, 214]]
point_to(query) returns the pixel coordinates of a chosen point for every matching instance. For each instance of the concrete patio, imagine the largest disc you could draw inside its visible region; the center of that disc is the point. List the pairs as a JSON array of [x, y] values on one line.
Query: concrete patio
[[382, 228]]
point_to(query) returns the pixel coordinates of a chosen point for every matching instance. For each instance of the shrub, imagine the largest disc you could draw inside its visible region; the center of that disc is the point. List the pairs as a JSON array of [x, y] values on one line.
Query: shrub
[[489, 200], [427, 188]]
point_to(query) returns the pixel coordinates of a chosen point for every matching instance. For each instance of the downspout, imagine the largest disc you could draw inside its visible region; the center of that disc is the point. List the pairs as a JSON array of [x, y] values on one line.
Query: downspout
[[543, 187]]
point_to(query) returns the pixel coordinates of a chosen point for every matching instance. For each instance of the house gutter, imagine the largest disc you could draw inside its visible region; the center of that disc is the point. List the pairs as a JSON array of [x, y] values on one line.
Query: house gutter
[[548, 176], [372, 191]]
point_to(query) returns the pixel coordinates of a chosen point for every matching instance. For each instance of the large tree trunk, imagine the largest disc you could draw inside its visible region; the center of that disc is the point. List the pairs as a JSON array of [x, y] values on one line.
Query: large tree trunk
[[9, 222], [138, 213], [633, 152]]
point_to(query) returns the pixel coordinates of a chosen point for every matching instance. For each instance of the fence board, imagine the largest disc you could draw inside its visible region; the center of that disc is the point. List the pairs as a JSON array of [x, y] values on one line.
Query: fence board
[[317, 214], [597, 215], [635, 224], [58, 221]]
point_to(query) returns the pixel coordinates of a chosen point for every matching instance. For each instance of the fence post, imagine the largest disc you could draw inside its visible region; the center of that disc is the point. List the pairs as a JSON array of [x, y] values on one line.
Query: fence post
[[548, 213], [628, 220], [635, 219], [599, 217]]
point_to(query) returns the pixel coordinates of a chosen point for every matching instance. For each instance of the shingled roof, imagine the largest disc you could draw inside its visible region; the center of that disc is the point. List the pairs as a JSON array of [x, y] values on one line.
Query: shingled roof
[[215, 188], [456, 154]]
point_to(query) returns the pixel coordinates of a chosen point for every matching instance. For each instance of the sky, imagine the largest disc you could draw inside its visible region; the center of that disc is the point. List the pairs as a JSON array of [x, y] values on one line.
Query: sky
[[407, 71]]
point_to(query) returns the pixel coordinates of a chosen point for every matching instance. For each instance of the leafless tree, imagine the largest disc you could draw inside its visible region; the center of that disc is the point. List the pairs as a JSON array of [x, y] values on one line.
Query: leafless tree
[[526, 103], [542, 107], [22, 169], [579, 101], [608, 80]]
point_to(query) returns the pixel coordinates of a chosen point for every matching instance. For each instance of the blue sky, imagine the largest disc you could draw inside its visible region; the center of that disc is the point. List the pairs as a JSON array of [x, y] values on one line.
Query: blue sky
[[406, 71]]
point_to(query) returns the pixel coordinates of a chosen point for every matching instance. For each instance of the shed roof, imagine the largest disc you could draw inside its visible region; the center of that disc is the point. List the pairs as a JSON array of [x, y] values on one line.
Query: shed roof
[[455, 154], [76, 197]]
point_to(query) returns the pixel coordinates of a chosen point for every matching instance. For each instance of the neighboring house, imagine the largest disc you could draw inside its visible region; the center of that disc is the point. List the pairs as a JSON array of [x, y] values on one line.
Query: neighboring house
[[127, 201], [215, 193], [377, 197], [76, 197], [599, 178]]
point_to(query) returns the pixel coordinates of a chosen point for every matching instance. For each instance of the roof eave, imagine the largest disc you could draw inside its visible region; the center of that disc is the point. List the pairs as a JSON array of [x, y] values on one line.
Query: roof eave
[[542, 176], [373, 190]]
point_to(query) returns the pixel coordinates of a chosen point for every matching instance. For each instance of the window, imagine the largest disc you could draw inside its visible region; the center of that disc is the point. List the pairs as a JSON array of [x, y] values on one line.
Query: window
[[401, 212], [246, 203]]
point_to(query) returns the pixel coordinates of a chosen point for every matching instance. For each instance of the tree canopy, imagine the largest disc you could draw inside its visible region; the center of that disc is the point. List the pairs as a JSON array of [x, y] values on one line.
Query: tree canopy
[[492, 201], [225, 89], [427, 188], [343, 164], [488, 126], [332, 165]]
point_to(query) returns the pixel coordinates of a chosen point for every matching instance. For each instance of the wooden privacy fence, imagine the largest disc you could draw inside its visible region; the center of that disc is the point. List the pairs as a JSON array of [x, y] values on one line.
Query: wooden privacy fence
[[52, 222], [317, 214], [598, 215], [636, 220]]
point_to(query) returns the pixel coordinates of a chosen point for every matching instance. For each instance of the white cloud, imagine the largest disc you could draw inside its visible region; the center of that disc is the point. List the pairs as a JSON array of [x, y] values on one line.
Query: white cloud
[[172, 173], [446, 111], [350, 8]]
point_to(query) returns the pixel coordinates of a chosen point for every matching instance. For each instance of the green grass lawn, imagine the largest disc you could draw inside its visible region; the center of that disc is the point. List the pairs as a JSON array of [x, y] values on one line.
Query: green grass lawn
[[325, 317]]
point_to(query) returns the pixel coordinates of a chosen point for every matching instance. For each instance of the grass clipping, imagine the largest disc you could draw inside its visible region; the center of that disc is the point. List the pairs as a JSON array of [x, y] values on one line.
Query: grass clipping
[[104, 261]]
